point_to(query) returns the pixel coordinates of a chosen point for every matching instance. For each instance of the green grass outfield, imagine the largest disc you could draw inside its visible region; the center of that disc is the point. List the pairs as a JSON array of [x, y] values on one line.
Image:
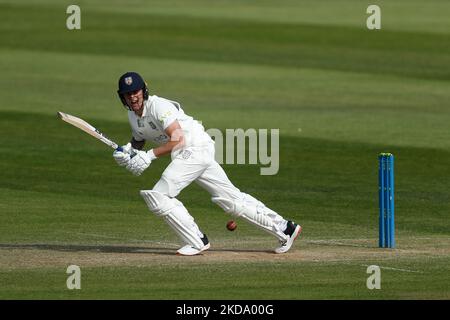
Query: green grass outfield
[[339, 93]]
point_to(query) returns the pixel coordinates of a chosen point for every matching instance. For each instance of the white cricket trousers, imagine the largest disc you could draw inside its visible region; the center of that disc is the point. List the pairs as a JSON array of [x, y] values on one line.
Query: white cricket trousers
[[198, 164]]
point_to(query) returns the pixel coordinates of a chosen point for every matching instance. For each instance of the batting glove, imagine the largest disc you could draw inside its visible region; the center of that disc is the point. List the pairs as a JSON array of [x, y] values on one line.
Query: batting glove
[[140, 162], [122, 155]]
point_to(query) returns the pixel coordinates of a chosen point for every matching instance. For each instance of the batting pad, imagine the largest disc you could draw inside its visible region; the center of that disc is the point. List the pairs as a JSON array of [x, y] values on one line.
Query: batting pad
[[176, 216], [187, 232], [158, 203], [250, 211]]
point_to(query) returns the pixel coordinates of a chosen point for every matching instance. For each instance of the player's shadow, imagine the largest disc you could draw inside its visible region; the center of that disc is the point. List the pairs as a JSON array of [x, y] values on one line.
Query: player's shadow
[[114, 248], [241, 250], [91, 248]]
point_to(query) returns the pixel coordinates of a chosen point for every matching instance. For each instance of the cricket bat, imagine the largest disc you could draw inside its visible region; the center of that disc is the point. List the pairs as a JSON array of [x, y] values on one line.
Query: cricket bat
[[86, 127]]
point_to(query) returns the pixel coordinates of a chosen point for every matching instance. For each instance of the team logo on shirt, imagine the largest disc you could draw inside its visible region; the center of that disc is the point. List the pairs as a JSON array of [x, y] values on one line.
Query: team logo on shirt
[[186, 154], [161, 139], [128, 81], [165, 116], [152, 125], [140, 123]]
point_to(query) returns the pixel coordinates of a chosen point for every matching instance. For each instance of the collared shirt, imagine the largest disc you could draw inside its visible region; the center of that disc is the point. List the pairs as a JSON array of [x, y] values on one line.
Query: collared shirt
[[158, 114]]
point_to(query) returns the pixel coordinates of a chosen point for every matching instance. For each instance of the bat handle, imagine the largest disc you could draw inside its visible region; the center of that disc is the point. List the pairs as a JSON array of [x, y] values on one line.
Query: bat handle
[[132, 151]]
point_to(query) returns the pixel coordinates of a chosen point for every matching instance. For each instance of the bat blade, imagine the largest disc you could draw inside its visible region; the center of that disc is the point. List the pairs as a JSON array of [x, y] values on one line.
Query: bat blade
[[86, 127]]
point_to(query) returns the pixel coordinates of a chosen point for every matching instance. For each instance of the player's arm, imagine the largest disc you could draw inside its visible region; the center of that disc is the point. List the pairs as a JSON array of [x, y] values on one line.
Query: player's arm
[[176, 140], [138, 145], [124, 153], [142, 159]]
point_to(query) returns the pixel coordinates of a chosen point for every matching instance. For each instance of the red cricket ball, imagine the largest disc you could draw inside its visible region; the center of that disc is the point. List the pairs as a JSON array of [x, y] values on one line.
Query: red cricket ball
[[231, 225]]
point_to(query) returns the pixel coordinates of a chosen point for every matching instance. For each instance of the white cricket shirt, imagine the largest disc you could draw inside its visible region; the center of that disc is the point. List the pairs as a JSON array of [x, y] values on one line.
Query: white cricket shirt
[[158, 114]]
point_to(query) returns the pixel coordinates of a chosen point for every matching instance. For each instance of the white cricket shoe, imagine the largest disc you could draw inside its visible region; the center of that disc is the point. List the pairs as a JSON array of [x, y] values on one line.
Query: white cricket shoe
[[292, 231], [189, 250]]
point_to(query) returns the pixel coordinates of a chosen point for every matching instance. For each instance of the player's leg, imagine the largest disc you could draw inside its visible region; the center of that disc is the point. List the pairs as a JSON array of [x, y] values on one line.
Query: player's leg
[[179, 219], [162, 202], [239, 204]]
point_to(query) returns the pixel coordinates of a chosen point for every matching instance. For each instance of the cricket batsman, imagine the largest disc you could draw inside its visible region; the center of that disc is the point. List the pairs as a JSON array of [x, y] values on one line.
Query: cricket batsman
[[163, 123]]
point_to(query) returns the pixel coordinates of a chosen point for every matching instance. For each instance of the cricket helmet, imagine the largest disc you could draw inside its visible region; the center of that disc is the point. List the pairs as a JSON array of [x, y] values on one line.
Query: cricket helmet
[[129, 82]]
